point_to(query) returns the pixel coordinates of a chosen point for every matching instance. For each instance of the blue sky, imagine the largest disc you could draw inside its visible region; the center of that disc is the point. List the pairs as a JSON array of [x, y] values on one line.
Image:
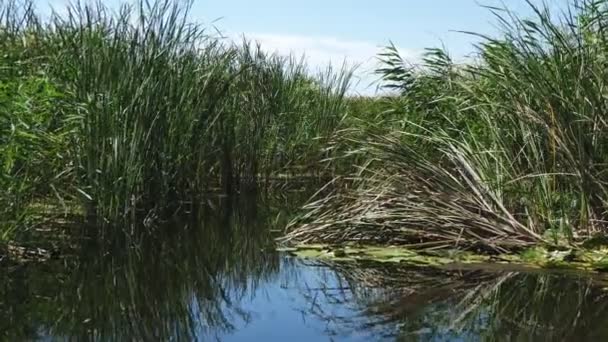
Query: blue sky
[[355, 30]]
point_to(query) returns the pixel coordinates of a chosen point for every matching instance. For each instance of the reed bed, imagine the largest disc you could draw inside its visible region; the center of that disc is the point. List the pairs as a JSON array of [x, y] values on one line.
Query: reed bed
[[497, 154], [124, 114]]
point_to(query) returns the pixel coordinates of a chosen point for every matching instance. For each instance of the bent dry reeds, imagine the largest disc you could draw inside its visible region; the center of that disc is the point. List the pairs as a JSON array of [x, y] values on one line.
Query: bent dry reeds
[[498, 154]]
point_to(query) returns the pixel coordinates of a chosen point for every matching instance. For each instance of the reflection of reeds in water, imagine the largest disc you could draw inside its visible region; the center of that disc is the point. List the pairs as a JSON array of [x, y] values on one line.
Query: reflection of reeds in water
[[184, 283], [425, 304]]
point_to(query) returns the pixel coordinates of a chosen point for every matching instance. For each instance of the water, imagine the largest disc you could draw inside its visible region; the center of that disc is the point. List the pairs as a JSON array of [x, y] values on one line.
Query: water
[[219, 278]]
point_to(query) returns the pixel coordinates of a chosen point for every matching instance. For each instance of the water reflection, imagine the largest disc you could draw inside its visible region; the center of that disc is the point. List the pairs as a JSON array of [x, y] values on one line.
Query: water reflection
[[404, 303], [215, 275], [179, 285]]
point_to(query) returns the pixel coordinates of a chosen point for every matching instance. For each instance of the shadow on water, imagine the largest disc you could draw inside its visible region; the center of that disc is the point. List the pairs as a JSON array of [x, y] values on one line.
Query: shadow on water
[[216, 275]]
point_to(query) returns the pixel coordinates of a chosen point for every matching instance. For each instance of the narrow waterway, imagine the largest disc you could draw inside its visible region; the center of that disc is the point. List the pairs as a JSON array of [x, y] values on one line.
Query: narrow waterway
[[218, 277]]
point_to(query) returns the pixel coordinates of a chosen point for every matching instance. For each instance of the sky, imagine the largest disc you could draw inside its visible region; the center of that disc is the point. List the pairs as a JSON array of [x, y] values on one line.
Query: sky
[[354, 30]]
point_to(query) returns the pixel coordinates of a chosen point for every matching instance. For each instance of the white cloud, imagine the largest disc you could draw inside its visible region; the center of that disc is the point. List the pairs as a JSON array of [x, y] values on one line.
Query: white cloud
[[320, 51]]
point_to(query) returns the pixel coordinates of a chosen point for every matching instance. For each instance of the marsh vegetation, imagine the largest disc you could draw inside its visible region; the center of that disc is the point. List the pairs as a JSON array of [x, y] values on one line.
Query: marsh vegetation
[[500, 153], [131, 114], [149, 167], [134, 114]]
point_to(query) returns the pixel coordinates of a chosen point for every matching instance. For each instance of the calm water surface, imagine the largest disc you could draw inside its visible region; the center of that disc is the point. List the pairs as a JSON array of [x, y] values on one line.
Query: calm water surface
[[216, 277]]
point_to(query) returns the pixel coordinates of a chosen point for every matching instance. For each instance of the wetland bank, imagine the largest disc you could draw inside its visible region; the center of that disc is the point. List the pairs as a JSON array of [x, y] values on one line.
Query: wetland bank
[[158, 181]]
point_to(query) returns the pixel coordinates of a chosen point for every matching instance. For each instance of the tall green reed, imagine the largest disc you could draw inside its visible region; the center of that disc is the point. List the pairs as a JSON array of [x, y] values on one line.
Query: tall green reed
[[33, 137], [158, 112]]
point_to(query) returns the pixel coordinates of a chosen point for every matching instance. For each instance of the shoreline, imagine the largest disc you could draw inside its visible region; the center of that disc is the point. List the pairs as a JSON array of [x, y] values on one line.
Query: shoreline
[[538, 258]]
